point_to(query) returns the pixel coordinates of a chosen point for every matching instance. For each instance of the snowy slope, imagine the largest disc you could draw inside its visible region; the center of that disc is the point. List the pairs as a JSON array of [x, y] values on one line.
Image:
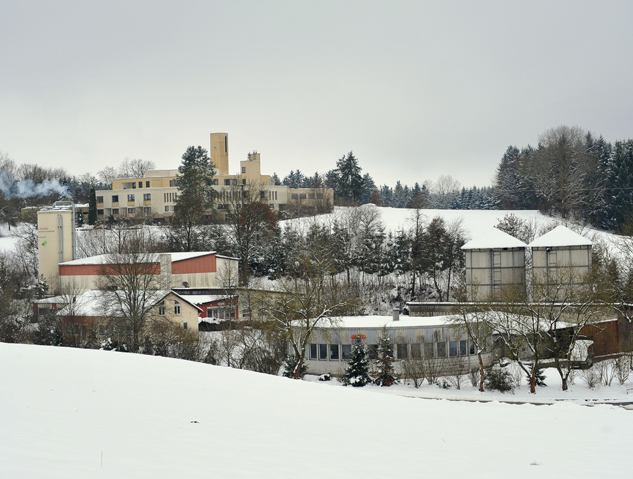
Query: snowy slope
[[474, 222], [71, 413]]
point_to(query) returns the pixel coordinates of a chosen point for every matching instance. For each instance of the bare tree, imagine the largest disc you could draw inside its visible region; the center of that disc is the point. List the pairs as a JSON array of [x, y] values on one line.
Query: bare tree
[[472, 319], [315, 300]]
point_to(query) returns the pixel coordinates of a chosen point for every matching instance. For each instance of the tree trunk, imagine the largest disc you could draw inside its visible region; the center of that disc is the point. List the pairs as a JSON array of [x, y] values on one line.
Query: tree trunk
[[533, 380], [298, 368], [481, 373]]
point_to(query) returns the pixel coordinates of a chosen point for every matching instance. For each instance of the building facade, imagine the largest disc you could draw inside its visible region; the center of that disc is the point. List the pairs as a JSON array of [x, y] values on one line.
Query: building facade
[[156, 194]]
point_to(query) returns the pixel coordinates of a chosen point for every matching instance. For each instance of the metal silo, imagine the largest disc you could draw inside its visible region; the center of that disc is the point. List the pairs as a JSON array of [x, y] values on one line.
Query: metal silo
[[561, 260], [493, 261]]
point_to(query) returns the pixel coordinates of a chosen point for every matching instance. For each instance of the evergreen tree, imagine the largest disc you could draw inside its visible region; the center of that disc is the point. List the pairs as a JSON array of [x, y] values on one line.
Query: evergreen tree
[[357, 371], [195, 177], [290, 366], [384, 361], [368, 189], [350, 181], [92, 207], [540, 376]]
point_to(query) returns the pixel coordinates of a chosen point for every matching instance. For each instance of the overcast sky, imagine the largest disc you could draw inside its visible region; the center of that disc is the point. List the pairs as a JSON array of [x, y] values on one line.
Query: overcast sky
[[416, 89]]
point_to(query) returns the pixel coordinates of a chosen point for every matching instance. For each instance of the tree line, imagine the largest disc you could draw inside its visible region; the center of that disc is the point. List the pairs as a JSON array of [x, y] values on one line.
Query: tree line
[[573, 174]]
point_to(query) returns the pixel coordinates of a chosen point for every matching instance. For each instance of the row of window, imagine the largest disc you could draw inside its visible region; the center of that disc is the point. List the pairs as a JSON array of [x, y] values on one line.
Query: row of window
[[115, 198], [221, 313], [170, 197], [129, 211], [303, 196], [140, 184], [336, 352]]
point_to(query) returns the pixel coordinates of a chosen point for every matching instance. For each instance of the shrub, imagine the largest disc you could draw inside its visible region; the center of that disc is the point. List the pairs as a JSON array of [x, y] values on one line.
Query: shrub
[[290, 366], [499, 379]]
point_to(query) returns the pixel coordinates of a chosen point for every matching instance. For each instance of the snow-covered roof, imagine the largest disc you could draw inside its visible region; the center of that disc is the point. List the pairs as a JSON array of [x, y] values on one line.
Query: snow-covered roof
[[94, 303], [493, 239], [560, 236], [184, 256], [145, 258], [382, 321], [202, 298]]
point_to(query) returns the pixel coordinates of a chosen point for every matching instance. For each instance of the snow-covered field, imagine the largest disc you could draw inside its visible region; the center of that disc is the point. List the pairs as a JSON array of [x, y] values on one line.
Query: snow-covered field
[[473, 222], [8, 242], [72, 413]]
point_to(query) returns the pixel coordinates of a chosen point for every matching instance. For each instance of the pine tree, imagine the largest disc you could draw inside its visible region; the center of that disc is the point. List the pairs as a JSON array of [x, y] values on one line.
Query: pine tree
[[384, 361], [540, 376], [92, 207], [350, 180], [357, 371]]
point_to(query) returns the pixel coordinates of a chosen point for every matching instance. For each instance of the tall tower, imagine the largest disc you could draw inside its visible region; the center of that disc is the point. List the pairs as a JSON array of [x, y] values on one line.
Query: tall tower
[[56, 240], [220, 152]]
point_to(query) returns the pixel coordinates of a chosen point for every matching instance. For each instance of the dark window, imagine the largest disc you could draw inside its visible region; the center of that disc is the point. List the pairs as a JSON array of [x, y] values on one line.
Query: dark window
[[302, 196], [373, 351], [243, 169], [130, 197], [185, 325], [215, 182], [244, 181], [115, 211], [134, 185], [472, 348], [147, 184], [313, 351], [115, 198], [227, 182], [147, 197], [99, 199], [346, 352], [140, 184], [416, 351], [441, 350], [311, 196], [402, 351], [452, 348], [172, 183], [322, 351], [177, 307], [334, 351], [294, 196], [234, 182], [428, 350], [462, 348], [131, 211], [99, 212]]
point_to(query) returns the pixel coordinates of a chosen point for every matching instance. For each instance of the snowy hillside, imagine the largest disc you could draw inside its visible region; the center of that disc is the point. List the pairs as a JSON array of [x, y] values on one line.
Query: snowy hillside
[[474, 222], [72, 413]]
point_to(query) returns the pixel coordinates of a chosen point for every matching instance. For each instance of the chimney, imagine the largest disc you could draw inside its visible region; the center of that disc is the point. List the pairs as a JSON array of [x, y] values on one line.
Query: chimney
[[396, 314]]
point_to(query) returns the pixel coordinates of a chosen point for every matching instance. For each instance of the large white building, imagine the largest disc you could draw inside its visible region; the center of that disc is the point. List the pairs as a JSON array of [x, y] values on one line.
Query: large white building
[[155, 194]]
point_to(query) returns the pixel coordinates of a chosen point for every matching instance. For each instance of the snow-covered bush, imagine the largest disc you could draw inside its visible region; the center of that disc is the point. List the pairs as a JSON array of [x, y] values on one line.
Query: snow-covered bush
[[499, 379]]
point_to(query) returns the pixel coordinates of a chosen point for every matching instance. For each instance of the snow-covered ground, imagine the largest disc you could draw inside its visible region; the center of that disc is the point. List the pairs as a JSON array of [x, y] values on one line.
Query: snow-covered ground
[[473, 222], [71, 413], [8, 242]]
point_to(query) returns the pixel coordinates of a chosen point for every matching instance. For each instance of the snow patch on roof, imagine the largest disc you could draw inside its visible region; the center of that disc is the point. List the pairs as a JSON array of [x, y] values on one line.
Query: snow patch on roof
[[381, 321], [493, 239], [560, 236]]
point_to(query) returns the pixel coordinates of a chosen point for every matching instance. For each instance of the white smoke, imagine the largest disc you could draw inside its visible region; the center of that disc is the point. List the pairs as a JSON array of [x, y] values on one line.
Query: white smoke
[[28, 188]]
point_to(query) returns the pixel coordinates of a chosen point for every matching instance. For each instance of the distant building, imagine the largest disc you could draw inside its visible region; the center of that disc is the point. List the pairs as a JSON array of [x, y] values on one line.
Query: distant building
[[204, 269], [433, 339], [156, 193]]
